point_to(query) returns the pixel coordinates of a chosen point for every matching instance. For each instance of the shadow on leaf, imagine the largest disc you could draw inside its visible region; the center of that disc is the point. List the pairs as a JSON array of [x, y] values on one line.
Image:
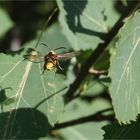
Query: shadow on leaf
[[13, 53], [74, 10], [3, 96], [24, 123]]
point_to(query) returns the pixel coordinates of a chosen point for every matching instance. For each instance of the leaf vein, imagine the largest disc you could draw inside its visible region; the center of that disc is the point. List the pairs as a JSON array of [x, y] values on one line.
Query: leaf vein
[[127, 62]]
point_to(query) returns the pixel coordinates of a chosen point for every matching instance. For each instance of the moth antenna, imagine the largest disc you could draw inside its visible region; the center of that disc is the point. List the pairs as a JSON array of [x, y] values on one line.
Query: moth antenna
[[45, 46], [59, 48]]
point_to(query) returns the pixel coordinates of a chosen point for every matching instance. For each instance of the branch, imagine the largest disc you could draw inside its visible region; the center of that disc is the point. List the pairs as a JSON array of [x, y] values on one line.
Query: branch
[[99, 50], [91, 118]]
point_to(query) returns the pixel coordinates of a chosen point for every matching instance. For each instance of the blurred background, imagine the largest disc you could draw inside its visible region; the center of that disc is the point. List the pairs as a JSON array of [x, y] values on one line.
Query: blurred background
[[27, 18]]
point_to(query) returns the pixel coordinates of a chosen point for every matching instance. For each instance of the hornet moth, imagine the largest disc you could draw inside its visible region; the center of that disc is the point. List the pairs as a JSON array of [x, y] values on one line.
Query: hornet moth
[[51, 60]]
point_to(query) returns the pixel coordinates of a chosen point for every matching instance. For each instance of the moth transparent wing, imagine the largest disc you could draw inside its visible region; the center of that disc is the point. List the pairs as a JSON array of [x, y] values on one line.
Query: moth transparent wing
[[69, 55], [35, 58]]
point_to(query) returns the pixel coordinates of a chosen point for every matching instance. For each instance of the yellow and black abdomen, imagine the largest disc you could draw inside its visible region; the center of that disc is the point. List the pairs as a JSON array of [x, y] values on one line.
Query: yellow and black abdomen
[[49, 65]]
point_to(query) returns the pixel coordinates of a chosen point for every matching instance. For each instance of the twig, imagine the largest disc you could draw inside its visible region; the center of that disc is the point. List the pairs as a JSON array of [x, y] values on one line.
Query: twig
[[97, 72], [99, 50], [91, 118]]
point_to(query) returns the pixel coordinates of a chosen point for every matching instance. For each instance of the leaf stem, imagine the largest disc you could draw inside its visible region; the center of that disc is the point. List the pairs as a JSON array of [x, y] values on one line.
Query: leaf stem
[[45, 25]]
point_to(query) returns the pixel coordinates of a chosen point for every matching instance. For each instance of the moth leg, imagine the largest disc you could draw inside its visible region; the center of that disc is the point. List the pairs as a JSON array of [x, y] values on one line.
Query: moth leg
[[58, 65]]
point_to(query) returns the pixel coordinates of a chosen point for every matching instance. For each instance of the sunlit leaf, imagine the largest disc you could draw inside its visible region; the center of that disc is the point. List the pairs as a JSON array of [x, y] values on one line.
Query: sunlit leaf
[[85, 23], [87, 131], [125, 71], [78, 109], [29, 89]]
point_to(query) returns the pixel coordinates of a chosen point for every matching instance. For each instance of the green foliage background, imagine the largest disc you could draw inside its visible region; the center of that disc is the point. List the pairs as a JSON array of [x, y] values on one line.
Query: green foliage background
[[33, 106]]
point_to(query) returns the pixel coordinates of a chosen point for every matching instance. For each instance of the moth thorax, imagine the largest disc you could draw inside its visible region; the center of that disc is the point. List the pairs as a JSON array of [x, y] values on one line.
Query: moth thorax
[[52, 52]]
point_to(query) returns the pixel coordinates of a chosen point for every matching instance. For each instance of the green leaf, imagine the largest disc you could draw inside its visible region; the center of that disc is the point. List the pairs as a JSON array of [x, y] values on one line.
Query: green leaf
[[5, 22], [88, 131], [125, 71], [117, 131], [77, 109], [85, 23], [103, 62], [30, 89], [94, 87]]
